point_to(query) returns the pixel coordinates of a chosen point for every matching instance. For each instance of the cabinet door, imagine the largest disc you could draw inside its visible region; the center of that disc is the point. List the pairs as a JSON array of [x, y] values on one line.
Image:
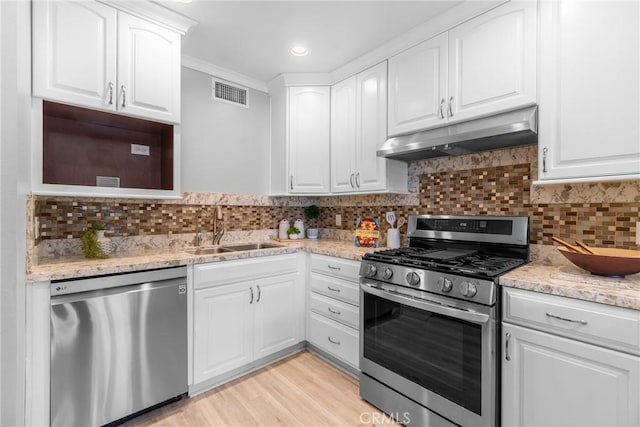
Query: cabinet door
[[492, 61], [309, 139], [343, 136], [589, 90], [148, 70], [418, 87], [554, 381], [222, 330], [371, 121], [74, 53], [278, 314]]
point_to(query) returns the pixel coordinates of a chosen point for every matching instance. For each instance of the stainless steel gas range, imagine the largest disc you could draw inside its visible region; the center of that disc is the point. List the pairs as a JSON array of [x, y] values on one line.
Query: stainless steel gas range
[[430, 318]]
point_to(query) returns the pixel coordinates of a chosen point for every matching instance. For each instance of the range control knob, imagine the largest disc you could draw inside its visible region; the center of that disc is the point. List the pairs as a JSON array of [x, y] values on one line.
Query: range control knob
[[413, 279], [371, 270], [387, 273], [468, 289], [445, 284]]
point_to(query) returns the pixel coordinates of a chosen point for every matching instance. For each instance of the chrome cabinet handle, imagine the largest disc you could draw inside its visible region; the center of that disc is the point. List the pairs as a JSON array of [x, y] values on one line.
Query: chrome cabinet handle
[[251, 290], [358, 180], [333, 289], [451, 106], [331, 267], [110, 93], [544, 159], [506, 347], [291, 182], [259, 293], [351, 179], [582, 322], [441, 108], [333, 341], [333, 311], [124, 96]]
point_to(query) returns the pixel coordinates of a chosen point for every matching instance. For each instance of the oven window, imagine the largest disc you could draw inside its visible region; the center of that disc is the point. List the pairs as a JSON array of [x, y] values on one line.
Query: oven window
[[439, 353]]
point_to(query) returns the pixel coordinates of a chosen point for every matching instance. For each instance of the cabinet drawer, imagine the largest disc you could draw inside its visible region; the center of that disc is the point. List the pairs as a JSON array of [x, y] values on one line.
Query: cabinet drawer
[[225, 272], [335, 288], [613, 327], [336, 267], [329, 307], [334, 338]]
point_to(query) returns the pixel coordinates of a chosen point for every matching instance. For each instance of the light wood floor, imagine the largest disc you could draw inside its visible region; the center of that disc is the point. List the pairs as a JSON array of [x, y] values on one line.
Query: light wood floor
[[302, 390]]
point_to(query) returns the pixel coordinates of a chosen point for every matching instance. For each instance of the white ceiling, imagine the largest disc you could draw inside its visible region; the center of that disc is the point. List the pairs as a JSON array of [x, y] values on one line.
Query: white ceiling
[[253, 37]]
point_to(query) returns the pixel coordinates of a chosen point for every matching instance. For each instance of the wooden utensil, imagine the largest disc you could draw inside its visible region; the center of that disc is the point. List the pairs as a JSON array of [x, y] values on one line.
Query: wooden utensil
[[401, 221], [585, 247], [567, 245]]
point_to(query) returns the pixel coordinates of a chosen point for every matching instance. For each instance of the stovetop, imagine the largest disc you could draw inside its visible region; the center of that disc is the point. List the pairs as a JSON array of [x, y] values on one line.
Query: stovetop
[[452, 260]]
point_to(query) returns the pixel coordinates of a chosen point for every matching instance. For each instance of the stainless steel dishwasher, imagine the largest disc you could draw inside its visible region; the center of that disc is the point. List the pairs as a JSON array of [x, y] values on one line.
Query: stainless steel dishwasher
[[118, 345]]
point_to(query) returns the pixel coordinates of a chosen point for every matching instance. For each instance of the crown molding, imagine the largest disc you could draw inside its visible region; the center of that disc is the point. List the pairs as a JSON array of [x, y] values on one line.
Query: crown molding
[[155, 13]]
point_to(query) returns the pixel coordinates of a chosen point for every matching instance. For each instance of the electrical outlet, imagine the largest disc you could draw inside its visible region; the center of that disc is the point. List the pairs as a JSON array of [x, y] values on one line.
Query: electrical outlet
[[338, 219], [36, 228], [638, 233]]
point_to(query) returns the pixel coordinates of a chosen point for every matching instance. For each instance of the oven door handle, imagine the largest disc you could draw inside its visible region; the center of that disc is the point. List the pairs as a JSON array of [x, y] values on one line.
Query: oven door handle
[[426, 305]]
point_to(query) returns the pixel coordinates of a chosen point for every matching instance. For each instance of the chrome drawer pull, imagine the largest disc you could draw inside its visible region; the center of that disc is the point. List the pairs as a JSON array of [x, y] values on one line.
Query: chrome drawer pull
[[333, 289], [331, 267], [582, 322], [333, 311], [259, 293], [506, 347], [251, 290], [333, 341]]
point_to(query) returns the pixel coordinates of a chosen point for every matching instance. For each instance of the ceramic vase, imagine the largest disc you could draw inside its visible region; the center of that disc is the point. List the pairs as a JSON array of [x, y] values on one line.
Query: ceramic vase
[[104, 243]]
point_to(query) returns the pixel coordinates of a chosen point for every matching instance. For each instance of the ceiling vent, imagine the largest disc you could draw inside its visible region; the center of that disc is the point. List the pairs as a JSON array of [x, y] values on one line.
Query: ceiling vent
[[237, 95]]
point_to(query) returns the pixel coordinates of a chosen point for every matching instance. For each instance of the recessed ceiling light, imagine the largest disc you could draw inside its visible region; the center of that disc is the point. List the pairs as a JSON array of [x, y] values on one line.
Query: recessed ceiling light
[[299, 51]]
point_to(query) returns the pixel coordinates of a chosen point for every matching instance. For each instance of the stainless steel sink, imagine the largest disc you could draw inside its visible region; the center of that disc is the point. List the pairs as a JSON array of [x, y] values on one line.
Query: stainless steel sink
[[251, 246], [208, 251]]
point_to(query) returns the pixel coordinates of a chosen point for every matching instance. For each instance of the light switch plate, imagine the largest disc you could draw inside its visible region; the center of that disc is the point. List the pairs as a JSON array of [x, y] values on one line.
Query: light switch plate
[[338, 219], [638, 233]]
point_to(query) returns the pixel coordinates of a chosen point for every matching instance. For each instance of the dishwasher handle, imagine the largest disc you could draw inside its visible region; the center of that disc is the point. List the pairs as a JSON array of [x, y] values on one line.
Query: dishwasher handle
[[179, 283]]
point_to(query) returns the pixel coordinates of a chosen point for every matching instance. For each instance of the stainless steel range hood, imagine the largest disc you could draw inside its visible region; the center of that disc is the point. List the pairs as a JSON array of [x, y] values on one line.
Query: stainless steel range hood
[[514, 128]]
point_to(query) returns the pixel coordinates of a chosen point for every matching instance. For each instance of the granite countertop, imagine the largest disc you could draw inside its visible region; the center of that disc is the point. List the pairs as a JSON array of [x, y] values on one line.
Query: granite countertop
[[78, 267], [573, 282]]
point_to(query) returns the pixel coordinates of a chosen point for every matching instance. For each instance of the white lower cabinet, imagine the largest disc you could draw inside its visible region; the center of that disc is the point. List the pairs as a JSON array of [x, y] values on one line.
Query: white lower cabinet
[[333, 307], [245, 310], [557, 376]]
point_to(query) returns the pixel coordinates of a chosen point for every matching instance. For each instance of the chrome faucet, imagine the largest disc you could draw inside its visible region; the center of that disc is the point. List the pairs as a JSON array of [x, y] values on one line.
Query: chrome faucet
[[198, 238], [218, 226]]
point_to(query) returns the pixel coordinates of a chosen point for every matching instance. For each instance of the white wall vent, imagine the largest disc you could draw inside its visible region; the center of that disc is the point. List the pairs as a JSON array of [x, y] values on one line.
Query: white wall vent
[[233, 94]]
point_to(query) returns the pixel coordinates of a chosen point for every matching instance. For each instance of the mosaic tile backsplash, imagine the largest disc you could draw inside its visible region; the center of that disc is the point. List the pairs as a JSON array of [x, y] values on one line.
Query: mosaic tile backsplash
[[490, 183]]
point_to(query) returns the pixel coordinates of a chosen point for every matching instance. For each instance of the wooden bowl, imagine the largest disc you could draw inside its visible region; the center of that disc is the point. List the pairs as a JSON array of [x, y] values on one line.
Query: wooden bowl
[[606, 261]]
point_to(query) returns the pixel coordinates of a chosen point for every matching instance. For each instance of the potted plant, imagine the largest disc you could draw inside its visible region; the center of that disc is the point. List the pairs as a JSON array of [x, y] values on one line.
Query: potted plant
[[94, 244], [293, 232], [312, 213]]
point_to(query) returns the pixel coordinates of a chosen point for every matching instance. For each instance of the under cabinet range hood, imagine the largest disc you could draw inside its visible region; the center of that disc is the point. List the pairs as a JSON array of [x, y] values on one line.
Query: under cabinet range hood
[[510, 129]]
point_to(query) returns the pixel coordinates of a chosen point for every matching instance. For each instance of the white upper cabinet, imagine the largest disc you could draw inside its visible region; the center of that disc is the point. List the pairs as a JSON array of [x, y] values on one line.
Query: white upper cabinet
[[492, 62], [484, 66], [91, 55], [74, 53], [418, 86], [343, 135], [148, 69], [358, 129], [589, 91], [308, 139]]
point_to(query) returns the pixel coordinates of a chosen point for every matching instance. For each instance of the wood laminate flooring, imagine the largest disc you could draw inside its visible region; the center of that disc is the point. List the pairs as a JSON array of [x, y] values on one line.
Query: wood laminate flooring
[[301, 390]]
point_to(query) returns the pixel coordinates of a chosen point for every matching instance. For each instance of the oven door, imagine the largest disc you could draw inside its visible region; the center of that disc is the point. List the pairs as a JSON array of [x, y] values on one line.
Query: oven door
[[439, 352]]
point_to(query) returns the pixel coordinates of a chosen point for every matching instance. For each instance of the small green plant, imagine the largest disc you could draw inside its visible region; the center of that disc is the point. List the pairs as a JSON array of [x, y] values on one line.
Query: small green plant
[[98, 226], [293, 230], [312, 213], [90, 246]]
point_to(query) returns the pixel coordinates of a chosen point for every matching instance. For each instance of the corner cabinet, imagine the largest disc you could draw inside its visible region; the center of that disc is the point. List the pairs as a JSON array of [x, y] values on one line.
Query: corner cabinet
[[484, 66], [299, 139], [244, 311], [569, 362], [358, 129], [589, 103], [91, 55]]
